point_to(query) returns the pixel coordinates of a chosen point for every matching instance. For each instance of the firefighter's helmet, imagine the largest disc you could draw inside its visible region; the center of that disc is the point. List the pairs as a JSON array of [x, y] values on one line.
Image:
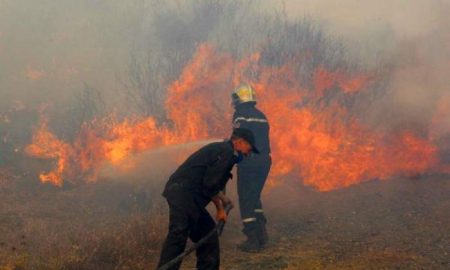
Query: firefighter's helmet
[[242, 94]]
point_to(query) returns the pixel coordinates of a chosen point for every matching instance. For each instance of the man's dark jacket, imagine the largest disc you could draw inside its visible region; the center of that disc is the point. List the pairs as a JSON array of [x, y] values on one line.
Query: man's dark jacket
[[203, 174], [247, 116]]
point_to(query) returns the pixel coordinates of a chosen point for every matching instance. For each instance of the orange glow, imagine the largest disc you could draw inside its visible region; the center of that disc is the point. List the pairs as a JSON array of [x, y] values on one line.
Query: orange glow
[[319, 142], [325, 80], [46, 145], [34, 74]]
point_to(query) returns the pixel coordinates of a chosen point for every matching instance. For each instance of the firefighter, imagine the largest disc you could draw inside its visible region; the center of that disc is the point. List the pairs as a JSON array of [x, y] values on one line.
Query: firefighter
[[199, 180], [253, 171]]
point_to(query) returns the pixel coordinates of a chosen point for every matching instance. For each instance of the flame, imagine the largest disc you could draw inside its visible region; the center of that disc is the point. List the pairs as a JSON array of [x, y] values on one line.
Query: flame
[[47, 145], [34, 74], [325, 80], [105, 140], [328, 149], [313, 135]]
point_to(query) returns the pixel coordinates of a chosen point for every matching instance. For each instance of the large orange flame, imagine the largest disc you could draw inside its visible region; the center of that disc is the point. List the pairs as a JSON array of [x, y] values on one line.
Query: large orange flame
[[314, 138]]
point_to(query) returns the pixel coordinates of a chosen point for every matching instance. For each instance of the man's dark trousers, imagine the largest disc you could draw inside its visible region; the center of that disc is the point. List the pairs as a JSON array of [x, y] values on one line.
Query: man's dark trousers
[[252, 175], [188, 219]]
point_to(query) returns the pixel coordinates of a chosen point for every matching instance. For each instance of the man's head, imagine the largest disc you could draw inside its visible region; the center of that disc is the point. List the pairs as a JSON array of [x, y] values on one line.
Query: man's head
[[243, 94], [243, 141]]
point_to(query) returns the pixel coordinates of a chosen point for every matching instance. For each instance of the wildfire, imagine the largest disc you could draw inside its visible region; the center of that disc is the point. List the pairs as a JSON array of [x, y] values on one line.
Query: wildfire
[[104, 140], [325, 80], [46, 145], [317, 140]]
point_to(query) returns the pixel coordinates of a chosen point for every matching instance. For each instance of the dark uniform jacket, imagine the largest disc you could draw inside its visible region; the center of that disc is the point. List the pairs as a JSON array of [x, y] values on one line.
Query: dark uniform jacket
[[246, 115], [203, 174]]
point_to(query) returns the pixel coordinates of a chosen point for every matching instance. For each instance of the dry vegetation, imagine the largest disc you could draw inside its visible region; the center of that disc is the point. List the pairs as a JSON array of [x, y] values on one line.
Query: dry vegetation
[[100, 226], [398, 224]]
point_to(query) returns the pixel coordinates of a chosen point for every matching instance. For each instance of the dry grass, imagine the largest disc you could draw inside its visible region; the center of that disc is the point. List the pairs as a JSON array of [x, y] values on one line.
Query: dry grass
[[402, 224], [107, 225]]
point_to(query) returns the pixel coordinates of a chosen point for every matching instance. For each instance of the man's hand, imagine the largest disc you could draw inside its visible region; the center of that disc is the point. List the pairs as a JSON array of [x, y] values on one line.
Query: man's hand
[[225, 200], [228, 202], [221, 214], [221, 201]]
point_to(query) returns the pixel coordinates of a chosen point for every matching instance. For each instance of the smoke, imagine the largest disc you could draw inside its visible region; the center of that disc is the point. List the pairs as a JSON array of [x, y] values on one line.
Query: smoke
[[421, 80], [411, 38], [48, 49], [155, 165]]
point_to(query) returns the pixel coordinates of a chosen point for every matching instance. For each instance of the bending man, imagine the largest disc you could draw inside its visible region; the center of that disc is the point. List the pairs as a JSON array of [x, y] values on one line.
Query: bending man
[[199, 180]]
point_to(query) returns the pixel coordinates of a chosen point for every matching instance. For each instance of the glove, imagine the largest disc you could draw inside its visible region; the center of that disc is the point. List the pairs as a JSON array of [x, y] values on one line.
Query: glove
[[221, 215]]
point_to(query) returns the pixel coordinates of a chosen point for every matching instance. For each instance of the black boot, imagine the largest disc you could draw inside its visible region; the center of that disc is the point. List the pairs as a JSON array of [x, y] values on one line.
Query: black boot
[[252, 244], [263, 236]]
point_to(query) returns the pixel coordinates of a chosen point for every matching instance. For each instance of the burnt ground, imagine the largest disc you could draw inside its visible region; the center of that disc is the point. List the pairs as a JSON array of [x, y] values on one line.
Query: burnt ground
[[396, 224]]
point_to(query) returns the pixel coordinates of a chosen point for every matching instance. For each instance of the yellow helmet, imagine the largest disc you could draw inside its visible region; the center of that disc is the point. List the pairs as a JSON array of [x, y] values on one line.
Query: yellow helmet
[[243, 93]]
